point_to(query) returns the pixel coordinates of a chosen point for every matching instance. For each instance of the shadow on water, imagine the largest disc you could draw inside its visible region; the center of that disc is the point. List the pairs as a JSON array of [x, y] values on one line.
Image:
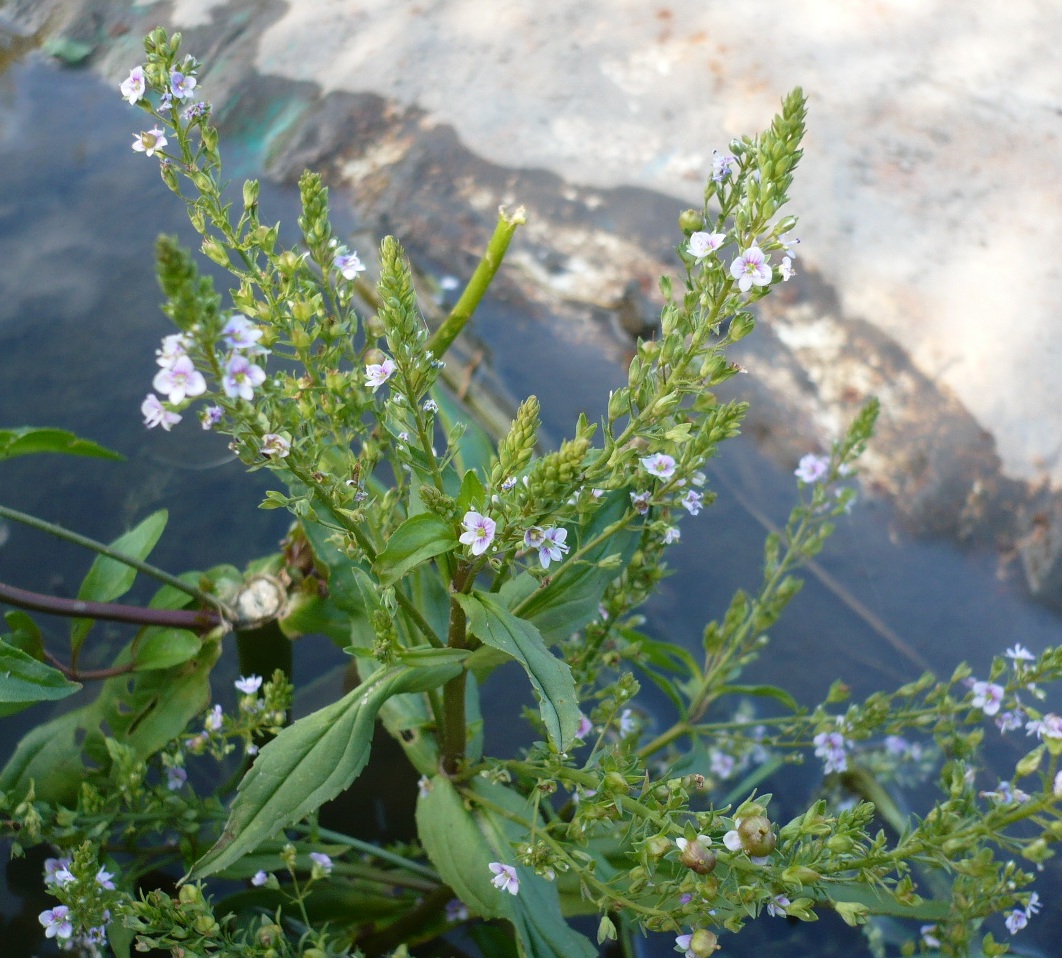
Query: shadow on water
[[79, 324]]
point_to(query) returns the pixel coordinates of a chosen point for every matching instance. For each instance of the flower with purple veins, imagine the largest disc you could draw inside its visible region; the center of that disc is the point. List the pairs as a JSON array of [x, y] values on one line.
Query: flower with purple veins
[[241, 377], [659, 464], [1019, 654], [155, 414], [56, 922], [812, 468], [776, 907], [702, 243], [104, 879], [179, 381], [182, 85], [751, 269], [1015, 921], [692, 502], [479, 532], [210, 416], [1050, 726], [134, 86], [987, 696], [149, 142], [721, 165], [240, 333], [640, 502], [52, 867], [505, 878], [275, 446], [552, 548], [348, 264], [376, 374]]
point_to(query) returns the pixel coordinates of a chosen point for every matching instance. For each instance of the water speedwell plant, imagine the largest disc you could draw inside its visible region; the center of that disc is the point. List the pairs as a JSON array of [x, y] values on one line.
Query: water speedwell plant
[[432, 553]]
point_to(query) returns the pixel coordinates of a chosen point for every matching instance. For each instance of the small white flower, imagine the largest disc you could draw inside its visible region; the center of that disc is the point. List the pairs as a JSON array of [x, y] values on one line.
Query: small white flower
[[275, 446], [505, 878], [348, 264], [1016, 921], [259, 878], [134, 85], [1019, 654], [249, 685], [751, 269], [155, 414], [702, 244], [179, 380], [693, 502], [987, 696], [479, 532], [376, 374], [150, 141], [552, 547], [671, 534], [321, 862], [56, 922], [660, 465], [812, 468], [786, 269]]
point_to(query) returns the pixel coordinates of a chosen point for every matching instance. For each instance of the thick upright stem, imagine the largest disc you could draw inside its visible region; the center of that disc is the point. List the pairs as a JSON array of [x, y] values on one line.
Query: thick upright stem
[[454, 722]]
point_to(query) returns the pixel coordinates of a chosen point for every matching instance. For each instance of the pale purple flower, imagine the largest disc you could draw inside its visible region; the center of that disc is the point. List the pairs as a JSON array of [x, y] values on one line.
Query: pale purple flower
[[456, 910], [640, 502], [155, 414], [241, 377], [1010, 720], [505, 878], [259, 878], [150, 141], [1015, 921], [240, 333], [104, 879], [693, 502], [929, 936], [1056, 788], [430, 405], [586, 727], [52, 867], [659, 464], [812, 468], [63, 876], [830, 747], [173, 348], [275, 446], [702, 243], [722, 764], [671, 534], [786, 270], [210, 416], [533, 537], [1005, 793], [56, 922], [789, 241], [180, 380], [698, 478], [348, 264], [376, 374], [751, 269], [1019, 654], [721, 165], [682, 943], [182, 85], [1050, 726], [249, 685], [176, 776], [195, 111], [777, 906], [479, 532], [1034, 905], [987, 696], [134, 85], [321, 861], [627, 723], [552, 548], [212, 722]]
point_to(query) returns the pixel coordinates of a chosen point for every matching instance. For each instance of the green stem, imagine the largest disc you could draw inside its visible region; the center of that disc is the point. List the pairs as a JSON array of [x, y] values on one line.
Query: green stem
[[408, 925], [441, 340], [367, 848], [455, 730], [156, 573]]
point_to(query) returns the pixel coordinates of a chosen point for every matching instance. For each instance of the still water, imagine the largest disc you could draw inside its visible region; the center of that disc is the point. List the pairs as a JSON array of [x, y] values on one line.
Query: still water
[[79, 323]]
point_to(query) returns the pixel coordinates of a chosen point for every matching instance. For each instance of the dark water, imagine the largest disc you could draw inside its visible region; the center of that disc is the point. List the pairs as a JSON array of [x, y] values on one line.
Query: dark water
[[79, 323]]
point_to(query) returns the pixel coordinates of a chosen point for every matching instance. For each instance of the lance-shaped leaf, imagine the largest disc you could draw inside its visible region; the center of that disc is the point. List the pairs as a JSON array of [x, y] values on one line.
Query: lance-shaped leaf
[[34, 439], [419, 538], [311, 762], [496, 626], [24, 680]]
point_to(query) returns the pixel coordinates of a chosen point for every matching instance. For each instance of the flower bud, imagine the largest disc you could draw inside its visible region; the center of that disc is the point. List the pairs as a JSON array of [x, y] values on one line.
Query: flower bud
[[691, 220], [657, 847]]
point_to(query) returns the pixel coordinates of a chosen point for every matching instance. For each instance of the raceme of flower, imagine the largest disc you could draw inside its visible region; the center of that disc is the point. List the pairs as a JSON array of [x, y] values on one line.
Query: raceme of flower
[[149, 142], [505, 878], [659, 464], [751, 269], [703, 244], [376, 374], [479, 532], [812, 468]]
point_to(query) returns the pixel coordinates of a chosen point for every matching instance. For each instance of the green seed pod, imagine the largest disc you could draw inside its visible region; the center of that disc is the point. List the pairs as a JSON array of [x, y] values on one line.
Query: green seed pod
[[756, 835], [696, 857], [703, 942]]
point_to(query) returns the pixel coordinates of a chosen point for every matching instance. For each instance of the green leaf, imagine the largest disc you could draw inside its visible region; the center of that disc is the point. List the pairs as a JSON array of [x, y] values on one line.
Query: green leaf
[[311, 762], [25, 634], [30, 439], [770, 691], [496, 626], [24, 680], [160, 648], [419, 538], [475, 450], [108, 579], [455, 843], [472, 494]]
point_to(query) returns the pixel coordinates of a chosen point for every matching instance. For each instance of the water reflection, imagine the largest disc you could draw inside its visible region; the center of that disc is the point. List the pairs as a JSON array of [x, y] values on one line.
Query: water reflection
[[79, 324]]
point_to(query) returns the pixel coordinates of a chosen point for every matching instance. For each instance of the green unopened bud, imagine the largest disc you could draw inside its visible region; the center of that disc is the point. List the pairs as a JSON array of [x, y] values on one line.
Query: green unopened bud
[[250, 194], [1030, 763], [839, 844], [615, 782], [657, 847], [213, 250], [691, 220], [518, 446], [854, 913], [437, 502], [606, 930], [374, 356], [190, 895]]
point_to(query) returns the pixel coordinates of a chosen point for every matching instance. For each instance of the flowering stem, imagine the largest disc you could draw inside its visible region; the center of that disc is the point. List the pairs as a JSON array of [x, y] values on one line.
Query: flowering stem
[[225, 613], [441, 340], [454, 720]]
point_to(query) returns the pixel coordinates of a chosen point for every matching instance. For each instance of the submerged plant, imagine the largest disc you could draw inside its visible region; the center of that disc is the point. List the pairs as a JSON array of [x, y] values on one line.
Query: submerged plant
[[432, 553]]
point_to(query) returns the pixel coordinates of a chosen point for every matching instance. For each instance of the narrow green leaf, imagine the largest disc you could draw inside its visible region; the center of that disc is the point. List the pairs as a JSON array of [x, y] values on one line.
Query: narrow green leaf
[[31, 439], [311, 762], [457, 847], [496, 626], [24, 680], [160, 648], [419, 538], [770, 691]]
